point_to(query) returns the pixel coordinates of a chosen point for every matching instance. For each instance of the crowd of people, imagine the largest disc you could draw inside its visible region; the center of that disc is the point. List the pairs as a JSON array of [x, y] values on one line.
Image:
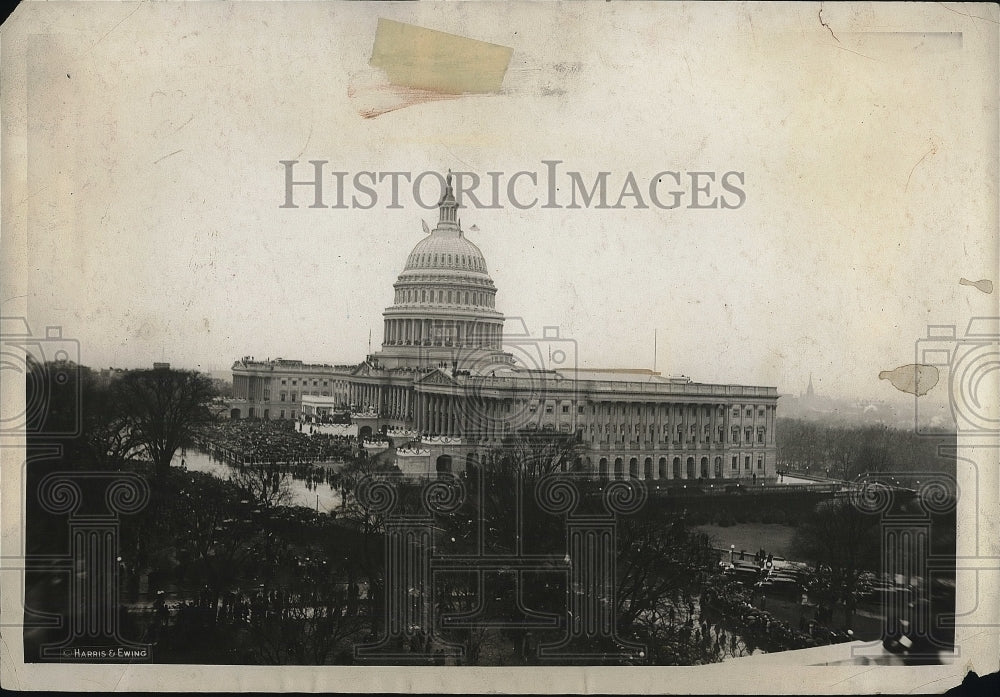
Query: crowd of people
[[274, 442], [760, 628]]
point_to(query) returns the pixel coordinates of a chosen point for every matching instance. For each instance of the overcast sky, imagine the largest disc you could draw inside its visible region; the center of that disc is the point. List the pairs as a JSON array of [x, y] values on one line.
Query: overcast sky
[[869, 162]]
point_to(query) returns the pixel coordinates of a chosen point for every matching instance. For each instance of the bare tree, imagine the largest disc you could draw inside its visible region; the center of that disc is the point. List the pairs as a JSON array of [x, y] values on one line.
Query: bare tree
[[265, 486], [107, 429], [536, 453], [163, 407], [659, 559], [214, 530], [842, 544]]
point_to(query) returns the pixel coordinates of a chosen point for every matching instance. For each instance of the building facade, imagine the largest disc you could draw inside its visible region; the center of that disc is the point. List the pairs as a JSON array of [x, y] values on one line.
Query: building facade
[[273, 389], [445, 384]]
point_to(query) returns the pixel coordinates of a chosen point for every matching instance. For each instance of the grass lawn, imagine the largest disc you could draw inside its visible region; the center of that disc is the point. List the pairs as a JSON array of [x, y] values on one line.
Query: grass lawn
[[775, 538]]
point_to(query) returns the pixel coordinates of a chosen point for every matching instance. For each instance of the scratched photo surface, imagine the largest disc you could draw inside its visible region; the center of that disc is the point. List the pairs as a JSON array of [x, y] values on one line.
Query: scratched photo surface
[[620, 347]]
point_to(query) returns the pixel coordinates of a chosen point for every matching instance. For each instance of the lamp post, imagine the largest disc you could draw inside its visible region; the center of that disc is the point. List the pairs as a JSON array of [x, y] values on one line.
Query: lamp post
[[732, 551]]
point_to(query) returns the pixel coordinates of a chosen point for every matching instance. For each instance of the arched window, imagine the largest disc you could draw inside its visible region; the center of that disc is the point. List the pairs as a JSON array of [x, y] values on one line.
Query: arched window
[[647, 468], [633, 468], [619, 468], [677, 468], [662, 467], [603, 469]]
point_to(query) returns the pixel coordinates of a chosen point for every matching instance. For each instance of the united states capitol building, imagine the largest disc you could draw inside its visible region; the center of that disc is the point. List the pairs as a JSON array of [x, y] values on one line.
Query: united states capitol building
[[449, 385]]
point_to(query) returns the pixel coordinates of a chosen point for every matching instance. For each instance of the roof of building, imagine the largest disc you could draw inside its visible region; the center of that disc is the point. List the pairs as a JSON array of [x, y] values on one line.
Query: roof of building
[[446, 249], [620, 375]]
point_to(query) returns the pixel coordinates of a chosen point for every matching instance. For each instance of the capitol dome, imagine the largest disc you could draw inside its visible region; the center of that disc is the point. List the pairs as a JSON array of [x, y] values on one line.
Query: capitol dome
[[446, 249], [444, 297]]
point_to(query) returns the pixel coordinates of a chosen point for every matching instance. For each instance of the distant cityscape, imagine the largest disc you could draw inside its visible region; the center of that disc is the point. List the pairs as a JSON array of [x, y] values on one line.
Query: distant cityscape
[[811, 405]]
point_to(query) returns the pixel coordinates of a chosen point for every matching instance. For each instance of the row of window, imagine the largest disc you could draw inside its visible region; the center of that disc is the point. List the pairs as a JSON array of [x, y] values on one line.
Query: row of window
[[691, 410], [689, 468], [462, 261], [305, 381], [474, 298], [314, 393], [678, 438], [652, 428], [614, 409]]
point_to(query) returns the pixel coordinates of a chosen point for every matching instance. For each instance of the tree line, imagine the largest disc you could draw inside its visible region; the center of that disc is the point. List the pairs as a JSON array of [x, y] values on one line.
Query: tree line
[[845, 452]]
